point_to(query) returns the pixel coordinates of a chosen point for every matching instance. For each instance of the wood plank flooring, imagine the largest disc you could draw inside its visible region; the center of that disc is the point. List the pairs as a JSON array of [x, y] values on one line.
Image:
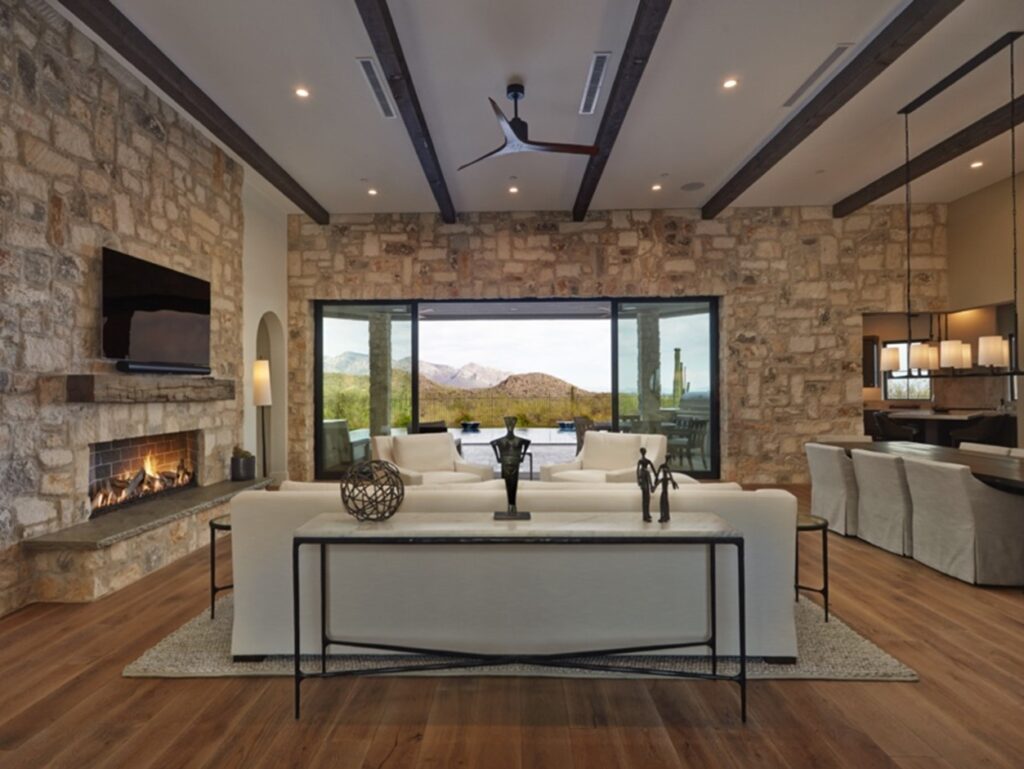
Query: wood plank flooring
[[63, 702]]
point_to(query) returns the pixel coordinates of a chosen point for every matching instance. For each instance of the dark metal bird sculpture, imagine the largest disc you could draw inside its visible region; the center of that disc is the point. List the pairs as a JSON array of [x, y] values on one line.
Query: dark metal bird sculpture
[[517, 138]]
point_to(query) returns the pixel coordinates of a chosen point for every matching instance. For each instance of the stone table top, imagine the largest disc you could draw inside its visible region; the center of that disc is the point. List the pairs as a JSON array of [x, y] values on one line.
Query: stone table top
[[481, 527]]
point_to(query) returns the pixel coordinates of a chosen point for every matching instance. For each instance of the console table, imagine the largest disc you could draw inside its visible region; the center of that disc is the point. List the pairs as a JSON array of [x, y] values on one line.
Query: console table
[[480, 530]]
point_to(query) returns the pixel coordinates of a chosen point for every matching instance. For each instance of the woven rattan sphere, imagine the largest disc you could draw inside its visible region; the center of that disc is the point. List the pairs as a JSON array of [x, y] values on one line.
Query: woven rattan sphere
[[372, 490]]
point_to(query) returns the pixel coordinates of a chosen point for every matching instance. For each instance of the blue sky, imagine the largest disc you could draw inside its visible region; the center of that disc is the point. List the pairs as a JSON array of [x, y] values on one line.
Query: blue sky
[[576, 350]]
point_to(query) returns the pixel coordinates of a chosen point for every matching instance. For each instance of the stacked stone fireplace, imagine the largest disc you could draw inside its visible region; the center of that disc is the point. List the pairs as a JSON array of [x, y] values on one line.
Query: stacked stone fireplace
[[124, 472]]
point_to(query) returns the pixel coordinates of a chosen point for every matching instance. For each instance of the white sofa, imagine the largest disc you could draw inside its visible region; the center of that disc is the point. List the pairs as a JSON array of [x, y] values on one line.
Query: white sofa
[[608, 458], [382, 592], [427, 459]]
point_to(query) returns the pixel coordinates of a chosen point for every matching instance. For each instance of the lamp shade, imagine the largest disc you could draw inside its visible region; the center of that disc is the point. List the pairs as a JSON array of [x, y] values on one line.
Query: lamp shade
[[967, 361], [890, 359], [950, 355], [1006, 353], [933, 363], [261, 383], [920, 356], [990, 351]]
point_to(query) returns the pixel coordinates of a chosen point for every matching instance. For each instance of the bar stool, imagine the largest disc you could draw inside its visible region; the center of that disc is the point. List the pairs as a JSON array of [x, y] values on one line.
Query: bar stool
[[221, 523], [812, 523]]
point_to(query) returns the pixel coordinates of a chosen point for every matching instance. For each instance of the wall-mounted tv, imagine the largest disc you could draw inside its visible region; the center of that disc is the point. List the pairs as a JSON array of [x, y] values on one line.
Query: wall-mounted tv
[[154, 318]]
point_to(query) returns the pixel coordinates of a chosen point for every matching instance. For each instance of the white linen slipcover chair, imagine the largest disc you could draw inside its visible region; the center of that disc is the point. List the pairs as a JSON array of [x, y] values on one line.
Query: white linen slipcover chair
[[610, 458], [984, 448], [833, 487], [964, 528], [427, 459], [883, 501]]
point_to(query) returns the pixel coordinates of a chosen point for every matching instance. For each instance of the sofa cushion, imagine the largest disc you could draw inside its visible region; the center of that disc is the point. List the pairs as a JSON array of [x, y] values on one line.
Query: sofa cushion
[[437, 477], [424, 453], [581, 476], [610, 451]]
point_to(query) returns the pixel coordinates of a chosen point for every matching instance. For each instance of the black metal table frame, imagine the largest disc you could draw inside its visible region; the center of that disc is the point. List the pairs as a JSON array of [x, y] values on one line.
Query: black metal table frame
[[587, 659], [216, 524]]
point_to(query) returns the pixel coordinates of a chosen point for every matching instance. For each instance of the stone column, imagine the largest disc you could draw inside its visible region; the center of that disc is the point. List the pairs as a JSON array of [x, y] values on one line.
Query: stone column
[[648, 349], [380, 374]]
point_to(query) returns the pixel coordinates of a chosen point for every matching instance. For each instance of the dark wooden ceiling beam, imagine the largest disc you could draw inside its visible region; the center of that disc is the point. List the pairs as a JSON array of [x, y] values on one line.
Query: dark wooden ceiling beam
[[381, 29], [909, 26], [117, 31], [650, 16], [977, 133]]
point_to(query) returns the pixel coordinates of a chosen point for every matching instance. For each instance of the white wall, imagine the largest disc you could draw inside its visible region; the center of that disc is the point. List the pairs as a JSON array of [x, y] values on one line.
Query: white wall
[[265, 289]]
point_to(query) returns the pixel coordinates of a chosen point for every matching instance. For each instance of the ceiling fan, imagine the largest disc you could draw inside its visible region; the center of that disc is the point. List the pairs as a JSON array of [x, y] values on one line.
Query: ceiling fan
[[517, 133]]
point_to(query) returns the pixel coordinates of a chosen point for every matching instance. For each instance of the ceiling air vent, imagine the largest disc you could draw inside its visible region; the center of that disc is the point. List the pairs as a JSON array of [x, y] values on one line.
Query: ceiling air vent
[[376, 82], [592, 90], [820, 70]]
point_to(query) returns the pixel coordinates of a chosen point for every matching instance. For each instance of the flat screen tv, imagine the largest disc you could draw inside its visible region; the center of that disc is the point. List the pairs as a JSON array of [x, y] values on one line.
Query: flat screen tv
[[154, 318]]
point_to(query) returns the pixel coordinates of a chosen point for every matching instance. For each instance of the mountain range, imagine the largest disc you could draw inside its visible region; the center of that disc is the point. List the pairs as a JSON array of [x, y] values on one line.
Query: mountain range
[[471, 376]]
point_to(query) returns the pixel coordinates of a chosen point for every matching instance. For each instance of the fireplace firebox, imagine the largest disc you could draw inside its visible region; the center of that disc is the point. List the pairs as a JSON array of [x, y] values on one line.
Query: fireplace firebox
[[123, 472]]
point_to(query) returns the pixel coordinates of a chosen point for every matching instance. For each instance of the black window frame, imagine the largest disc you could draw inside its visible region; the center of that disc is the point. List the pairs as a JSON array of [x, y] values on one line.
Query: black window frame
[[714, 307]]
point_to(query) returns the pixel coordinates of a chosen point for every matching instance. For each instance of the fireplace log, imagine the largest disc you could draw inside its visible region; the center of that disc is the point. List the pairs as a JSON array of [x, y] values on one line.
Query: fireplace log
[[135, 482]]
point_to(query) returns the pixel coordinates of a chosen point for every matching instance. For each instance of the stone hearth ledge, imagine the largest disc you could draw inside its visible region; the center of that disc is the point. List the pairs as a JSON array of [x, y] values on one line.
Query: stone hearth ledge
[[141, 517], [85, 562]]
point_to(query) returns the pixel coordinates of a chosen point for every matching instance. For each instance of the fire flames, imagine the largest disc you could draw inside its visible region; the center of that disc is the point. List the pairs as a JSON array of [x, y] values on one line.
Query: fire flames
[[132, 485]]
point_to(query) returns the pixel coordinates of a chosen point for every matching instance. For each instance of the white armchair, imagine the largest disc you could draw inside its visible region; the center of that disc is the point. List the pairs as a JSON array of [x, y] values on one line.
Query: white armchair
[[609, 458], [963, 527], [428, 459]]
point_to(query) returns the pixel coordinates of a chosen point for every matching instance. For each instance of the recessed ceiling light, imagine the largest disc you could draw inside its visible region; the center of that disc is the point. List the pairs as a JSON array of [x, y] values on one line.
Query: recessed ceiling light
[[301, 92], [655, 187], [513, 190], [977, 164], [372, 191], [730, 83]]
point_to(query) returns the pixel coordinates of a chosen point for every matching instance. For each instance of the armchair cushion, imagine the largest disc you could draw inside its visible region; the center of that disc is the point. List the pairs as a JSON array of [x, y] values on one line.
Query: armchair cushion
[[424, 452], [610, 451], [581, 476]]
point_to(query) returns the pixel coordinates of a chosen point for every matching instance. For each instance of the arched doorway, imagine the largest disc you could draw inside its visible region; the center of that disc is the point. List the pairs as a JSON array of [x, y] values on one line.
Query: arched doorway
[[270, 346]]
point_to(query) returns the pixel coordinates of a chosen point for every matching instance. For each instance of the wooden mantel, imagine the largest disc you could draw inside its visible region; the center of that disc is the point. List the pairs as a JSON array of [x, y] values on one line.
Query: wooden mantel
[[142, 388]]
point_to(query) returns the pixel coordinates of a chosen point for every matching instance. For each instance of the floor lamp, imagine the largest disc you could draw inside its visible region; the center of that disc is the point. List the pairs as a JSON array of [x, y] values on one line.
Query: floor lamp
[[261, 399]]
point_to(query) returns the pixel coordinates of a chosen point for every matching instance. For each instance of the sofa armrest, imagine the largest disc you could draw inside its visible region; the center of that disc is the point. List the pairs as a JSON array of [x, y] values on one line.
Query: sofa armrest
[[547, 471], [410, 477], [486, 472]]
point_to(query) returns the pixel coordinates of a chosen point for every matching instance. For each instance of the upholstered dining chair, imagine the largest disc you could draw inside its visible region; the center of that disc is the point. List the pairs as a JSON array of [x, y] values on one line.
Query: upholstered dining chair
[[891, 430], [987, 429], [985, 448], [833, 487], [963, 527], [884, 511]]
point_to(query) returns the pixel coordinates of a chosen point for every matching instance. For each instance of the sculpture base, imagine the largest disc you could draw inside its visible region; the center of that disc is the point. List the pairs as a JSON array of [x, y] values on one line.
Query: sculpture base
[[518, 515]]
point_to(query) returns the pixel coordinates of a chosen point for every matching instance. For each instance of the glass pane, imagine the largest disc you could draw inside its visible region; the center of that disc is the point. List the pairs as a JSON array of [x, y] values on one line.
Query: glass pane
[[665, 377], [906, 389], [365, 380]]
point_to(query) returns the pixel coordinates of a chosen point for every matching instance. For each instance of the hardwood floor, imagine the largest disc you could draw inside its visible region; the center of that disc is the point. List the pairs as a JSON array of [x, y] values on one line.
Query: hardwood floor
[[63, 701]]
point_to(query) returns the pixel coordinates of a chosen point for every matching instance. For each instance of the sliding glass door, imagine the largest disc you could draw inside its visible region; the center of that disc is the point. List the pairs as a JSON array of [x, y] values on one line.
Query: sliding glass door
[[364, 379], [630, 365], [667, 377]]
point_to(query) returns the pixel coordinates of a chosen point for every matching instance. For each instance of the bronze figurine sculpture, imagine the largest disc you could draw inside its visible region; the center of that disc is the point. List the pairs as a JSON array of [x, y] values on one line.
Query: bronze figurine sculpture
[[648, 480], [510, 450]]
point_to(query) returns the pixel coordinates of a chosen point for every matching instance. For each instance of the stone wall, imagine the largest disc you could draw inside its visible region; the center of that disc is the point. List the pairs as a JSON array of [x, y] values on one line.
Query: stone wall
[[794, 283], [90, 158]]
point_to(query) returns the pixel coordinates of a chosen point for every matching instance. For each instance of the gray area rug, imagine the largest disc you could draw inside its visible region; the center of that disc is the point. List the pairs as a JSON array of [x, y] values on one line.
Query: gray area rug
[[201, 648]]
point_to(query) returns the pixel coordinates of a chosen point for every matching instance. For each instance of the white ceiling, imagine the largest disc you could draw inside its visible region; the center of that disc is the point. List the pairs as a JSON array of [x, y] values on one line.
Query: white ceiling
[[249, 55]]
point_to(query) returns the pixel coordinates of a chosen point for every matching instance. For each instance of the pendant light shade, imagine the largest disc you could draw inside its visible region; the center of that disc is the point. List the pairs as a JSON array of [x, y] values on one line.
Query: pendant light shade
[[933, 363], [967, 361], [920, 356], [890, 359], [1006, 353], [990, 351], [950, 354]]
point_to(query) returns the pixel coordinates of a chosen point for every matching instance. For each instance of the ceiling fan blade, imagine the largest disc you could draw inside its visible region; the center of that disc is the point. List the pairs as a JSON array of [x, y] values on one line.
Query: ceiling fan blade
[[511, 137], [493, 153], [568, 149]]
